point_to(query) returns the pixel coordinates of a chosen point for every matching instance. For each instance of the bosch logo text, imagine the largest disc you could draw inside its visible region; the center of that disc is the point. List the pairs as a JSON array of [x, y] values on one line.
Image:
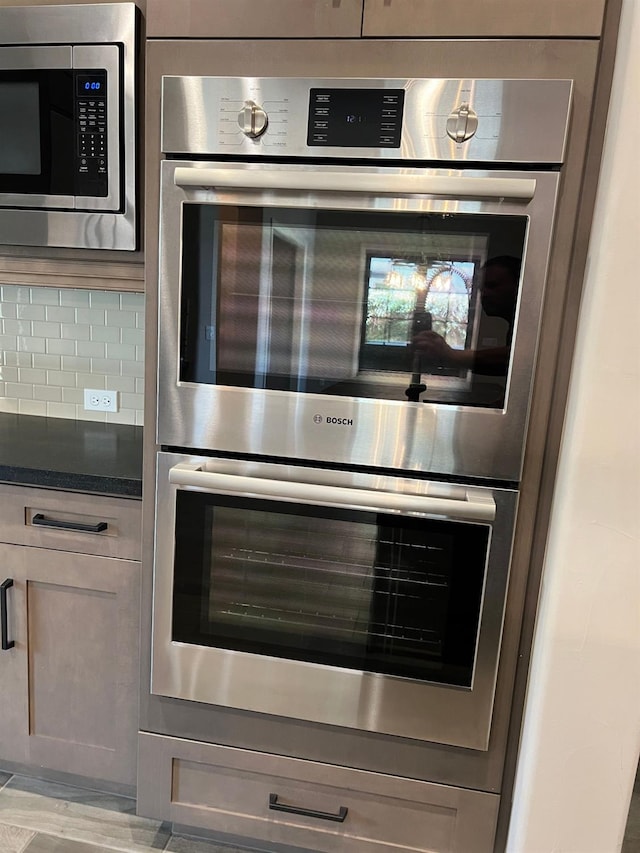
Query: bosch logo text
[[320, 419]]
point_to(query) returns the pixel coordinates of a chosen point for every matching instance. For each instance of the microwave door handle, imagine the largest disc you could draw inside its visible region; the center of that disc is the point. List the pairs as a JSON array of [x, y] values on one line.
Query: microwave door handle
[[454, 187], [477, 506]]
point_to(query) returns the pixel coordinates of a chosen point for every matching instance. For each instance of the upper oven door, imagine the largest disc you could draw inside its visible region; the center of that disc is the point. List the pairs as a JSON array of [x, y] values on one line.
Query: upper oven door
[[355, 315]]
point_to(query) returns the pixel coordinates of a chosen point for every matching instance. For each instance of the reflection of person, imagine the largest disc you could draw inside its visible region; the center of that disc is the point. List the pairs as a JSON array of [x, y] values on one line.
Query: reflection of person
[[498, 295]]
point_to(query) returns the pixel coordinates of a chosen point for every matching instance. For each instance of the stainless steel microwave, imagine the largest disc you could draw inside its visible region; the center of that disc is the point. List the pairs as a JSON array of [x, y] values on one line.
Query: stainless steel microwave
[[67, 119]]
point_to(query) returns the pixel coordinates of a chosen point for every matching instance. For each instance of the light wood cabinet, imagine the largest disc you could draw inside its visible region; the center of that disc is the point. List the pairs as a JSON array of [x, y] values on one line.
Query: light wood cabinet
[[69, 694], [288, 803], [254, 18], [489, 19]]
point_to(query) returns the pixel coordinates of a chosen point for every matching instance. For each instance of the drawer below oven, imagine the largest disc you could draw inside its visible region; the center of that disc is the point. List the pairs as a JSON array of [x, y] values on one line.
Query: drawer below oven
[[286, 803]]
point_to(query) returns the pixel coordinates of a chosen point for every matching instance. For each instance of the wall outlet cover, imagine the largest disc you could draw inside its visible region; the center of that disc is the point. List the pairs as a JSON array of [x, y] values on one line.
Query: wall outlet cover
[[96, 400]]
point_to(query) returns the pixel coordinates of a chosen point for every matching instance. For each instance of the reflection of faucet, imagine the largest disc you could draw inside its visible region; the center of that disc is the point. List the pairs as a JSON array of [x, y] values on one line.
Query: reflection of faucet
[[421, 323]]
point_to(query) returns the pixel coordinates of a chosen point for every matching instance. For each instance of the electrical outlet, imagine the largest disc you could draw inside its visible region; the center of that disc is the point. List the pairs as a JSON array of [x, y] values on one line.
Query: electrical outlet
[[100, 401]]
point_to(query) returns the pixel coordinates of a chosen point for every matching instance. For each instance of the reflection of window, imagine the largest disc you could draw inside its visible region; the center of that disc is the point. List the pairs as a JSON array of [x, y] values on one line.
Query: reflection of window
[[398, 288], [448, 299]]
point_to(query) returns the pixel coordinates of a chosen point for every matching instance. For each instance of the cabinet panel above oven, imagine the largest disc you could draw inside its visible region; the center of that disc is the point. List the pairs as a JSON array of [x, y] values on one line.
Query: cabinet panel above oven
[[248, 19]]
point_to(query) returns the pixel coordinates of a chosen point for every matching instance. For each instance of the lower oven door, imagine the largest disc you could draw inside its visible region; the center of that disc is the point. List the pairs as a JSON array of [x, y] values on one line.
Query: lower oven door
[[349, 599]]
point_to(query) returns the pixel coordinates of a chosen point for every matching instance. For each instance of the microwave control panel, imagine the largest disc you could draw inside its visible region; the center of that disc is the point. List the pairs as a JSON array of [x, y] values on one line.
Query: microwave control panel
[[91, 133]]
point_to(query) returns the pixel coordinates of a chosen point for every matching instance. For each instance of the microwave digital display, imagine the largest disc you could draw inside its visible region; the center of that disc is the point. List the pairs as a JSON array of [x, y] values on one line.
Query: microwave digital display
[[90, 84]]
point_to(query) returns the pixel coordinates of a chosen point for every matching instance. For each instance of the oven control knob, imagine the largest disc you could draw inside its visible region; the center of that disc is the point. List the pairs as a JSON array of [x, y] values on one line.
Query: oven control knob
[[253, 120], [462, 123]]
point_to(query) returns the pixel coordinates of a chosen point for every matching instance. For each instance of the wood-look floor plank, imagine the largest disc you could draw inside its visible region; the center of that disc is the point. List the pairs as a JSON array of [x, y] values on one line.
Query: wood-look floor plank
[[13, 839], [76, 814]]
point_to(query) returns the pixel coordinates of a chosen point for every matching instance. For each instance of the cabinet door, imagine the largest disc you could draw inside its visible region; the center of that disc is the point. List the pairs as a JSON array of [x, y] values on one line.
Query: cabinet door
[[251, 19], [75, 664], [14, 709], [468, 18]]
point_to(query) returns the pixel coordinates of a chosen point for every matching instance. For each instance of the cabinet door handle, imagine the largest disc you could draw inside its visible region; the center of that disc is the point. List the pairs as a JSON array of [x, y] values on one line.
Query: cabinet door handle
[[6, 643], [41, 520], [281, 807]]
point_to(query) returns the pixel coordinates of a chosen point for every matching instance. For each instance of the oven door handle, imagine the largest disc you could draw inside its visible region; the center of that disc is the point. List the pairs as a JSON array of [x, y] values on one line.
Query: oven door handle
[[476, 506], [353, 182]]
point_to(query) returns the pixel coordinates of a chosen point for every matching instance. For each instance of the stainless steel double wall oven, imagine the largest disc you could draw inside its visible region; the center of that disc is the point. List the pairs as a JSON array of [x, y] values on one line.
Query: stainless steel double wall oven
[[351, 279]]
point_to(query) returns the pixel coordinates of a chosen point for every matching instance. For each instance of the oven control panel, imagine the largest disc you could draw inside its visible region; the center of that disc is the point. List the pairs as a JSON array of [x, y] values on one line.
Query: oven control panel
[[448, 120], [355, 118]]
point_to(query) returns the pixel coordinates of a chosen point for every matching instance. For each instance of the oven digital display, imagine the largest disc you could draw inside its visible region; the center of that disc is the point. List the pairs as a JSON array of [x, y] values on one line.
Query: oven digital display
[[355, 118]]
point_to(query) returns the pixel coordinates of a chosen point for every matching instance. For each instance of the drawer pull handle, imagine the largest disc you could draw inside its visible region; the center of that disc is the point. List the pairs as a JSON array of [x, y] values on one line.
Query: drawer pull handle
[[281, 807], [6, 643], [41, 520]]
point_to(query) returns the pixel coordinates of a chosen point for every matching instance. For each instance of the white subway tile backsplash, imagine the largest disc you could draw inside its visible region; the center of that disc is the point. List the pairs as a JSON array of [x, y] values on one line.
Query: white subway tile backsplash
[[32, 375], [25, 344], [32, 407], [132, 368], [46, 330], [45, 296], [9, 374], [132, 301], [124, 319], [61, 347], [74, 364], [15, 293], [54, 343], [47, 393], [19, 390], [73, 395], [135, 337], [91, 380], [75, 332], [74, 298], [91, 316], [125, 352], [47, 362], [104, 299], [61, 378], [100, 417], [124, 384], [55, 314], [108, 366], [12, 358], [61, 410], [31, 312], [8, 342], [91, 349], [16, 327], [105, 334]]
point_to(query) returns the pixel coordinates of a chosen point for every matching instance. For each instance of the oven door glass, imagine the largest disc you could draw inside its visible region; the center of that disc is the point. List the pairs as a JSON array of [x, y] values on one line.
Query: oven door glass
[[360, 590], [395, 306]]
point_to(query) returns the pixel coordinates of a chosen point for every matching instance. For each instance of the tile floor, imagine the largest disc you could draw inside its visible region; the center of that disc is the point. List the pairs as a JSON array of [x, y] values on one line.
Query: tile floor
[[47, 817]]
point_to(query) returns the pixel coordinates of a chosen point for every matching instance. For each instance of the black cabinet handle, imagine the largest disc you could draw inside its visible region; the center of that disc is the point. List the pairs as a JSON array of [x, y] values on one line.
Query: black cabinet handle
[[280, 807], [4, 586], [41, 520]]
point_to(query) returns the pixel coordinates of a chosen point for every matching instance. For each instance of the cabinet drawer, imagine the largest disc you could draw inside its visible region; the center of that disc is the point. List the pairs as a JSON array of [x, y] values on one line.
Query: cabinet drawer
[[232, 793], [67, 521]]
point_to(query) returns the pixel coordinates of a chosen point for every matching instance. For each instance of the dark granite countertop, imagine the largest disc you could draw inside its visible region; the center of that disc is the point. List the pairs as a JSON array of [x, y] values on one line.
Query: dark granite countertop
[[63, 454]]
